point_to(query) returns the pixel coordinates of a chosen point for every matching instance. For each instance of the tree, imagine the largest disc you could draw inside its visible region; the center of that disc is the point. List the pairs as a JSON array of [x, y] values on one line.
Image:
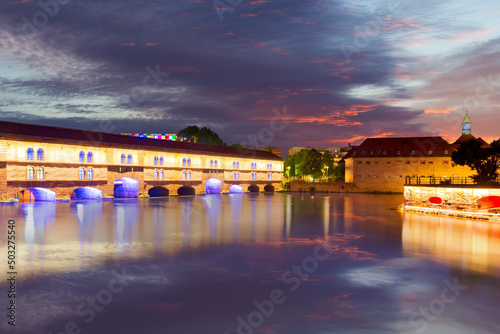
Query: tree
[[201, 136], [328, 161], [310, 163], [484, 160]]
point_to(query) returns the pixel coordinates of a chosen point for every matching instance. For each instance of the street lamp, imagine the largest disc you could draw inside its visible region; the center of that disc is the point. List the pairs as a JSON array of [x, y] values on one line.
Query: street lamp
[[326, 173], [288, 172]]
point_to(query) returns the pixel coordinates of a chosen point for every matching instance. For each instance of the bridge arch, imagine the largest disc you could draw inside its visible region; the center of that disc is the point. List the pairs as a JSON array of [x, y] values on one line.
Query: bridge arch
[[236, 189], [158, 192], [186, 191], [213, 186], [269, 188], [126, 187], [86, 193], [37, 194], [253, 188]]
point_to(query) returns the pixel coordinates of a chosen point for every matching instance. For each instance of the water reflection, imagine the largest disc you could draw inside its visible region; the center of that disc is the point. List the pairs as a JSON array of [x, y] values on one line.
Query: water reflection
[[469, 244]]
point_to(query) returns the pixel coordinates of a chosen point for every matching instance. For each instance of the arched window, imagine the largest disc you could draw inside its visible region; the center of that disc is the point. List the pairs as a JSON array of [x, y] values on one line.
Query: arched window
[[234, 164], [184, 175], [30, 173], [270, 176], [90, 174], [39, 154], [161, 175], [189, 175], [237, 175], [82, 156], [270, 166], [89, 157], [184, 162], [215, 163], [161, 161], [156, 161], [40, 173], [211, 164], [156, 174], [29, 154], [123, 159], [189, 162], [234, 176], [81, 174], [237, 164], [129, 159]]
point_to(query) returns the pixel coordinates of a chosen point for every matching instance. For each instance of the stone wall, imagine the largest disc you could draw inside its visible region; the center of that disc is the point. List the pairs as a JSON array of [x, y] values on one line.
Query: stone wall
[[322, 186]]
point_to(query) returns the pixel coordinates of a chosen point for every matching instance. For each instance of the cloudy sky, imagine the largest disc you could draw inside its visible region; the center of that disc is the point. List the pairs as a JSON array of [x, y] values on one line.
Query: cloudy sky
[[335, 72]]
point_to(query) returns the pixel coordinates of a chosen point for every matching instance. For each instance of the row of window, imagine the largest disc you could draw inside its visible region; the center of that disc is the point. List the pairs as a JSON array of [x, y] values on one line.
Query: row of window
[[159, 175], [89, 173], [400, 162], [236, 176], [126, 158], [269, 166], [269, 176], [30, 173], [160, 160], [412, 152], [30, 154], [376, 176], [89, 156], [253, 176]]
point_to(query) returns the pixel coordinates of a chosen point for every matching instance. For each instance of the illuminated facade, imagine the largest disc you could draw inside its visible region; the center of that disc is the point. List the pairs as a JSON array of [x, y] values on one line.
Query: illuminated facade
[[62, 160]]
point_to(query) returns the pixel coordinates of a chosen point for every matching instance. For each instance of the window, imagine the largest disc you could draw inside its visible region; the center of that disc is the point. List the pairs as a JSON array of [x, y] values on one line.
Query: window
[[161, 175], [399, 162], [367, 176], [39, 154], [375, 176], [184, 162], [184, 175], [430, 152], [422, 162], [237, 175], [388, 162], [368, 162], [360, 162], [430, 162], [415, 162], [445, 162], [387, 176], [29, 154], [89, 157], [412, 152], [376, 162], [371, 152], [211, 164], [384, 152], [270, 175], [123, 159], [129, 159], [156, 175], [161, 161], [215, 163], [400, 176], [40, 173], [407, 162], [30, 173], [155, 161], [81, 174], [90, 174], [234, 176], [398, 152], [445, 151], [234, 164], [189, 162], [237, 164], [271, 167], [189, 175], [82, 156], [359, 176]]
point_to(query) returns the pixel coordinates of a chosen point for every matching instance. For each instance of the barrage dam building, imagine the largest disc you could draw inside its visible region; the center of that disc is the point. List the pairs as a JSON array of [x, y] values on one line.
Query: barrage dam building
[[62, 160]]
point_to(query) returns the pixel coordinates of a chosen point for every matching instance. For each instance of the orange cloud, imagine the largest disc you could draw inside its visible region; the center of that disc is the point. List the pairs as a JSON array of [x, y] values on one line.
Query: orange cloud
[[439, 111], [278, 51], [128, 44]]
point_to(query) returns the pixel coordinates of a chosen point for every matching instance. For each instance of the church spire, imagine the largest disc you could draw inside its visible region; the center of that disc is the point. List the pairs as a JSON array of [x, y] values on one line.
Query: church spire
[[466, 124]]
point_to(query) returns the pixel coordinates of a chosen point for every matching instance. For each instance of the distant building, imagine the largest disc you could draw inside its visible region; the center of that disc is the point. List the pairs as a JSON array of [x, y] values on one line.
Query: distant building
[[382, 164], [162, 136], [337, 152]]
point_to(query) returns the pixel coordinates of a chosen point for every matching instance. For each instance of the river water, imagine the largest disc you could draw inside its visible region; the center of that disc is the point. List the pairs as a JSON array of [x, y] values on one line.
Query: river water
[[250, 263]]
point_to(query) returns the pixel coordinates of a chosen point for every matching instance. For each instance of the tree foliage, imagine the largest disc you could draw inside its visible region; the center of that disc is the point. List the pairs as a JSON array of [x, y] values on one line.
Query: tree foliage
[[201, 136], [309, 163], [484, 160]]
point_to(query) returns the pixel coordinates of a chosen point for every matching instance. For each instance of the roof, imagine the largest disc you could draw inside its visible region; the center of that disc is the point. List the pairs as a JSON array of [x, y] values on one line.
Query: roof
[[466, 118], [463, 138], [64, 135], [402, 147]]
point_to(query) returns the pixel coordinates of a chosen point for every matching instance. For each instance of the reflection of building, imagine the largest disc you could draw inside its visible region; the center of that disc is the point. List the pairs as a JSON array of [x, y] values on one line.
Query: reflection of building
[[474, 246], [382, 164], [64, 159]]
